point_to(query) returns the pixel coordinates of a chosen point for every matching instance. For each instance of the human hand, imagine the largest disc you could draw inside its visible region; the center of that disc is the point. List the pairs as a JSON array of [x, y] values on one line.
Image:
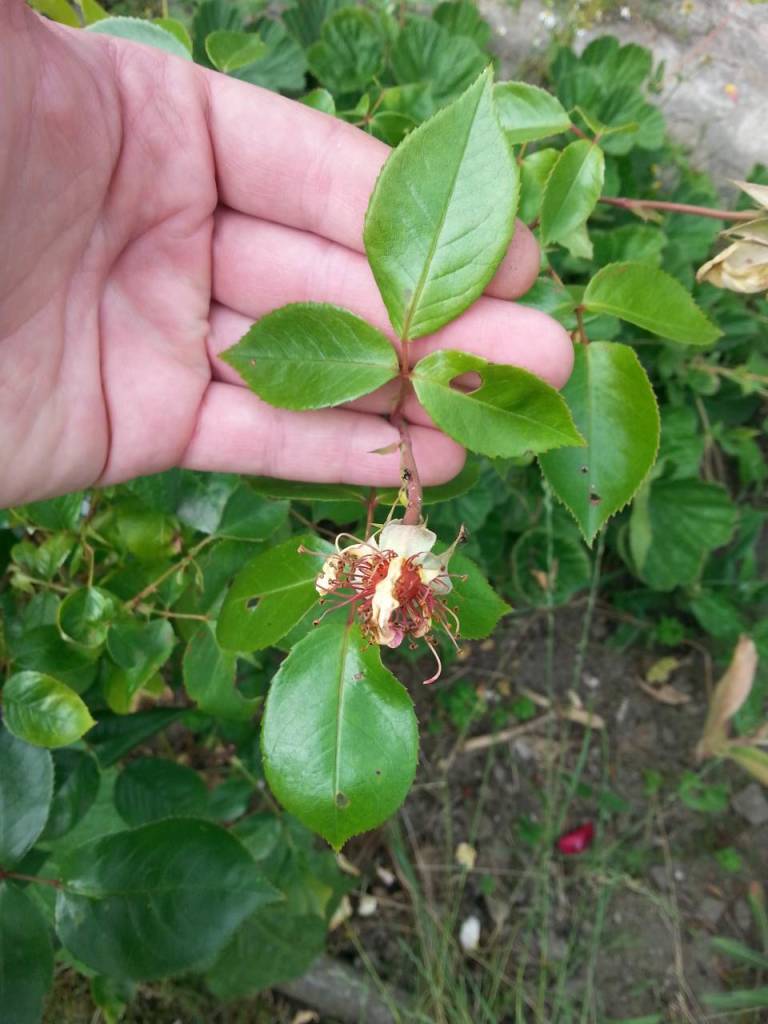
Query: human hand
[[151, 210]]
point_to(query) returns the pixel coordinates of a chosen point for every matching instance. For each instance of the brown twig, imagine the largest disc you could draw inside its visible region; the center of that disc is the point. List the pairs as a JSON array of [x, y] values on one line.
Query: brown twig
[[625, 203], [19, 877]]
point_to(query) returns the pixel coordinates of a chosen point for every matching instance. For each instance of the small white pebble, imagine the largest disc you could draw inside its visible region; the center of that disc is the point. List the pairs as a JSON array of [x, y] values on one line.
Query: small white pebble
[[625, 13], [386, 876], [367, 906], [469, 935]]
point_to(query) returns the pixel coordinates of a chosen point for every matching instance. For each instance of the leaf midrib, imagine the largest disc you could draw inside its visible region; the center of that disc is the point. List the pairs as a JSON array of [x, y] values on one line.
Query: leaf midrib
[[340, 689], [422, 282]]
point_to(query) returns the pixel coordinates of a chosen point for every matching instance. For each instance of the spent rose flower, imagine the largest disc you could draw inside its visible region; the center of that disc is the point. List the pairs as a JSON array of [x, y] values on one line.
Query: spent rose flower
[[396, 584]]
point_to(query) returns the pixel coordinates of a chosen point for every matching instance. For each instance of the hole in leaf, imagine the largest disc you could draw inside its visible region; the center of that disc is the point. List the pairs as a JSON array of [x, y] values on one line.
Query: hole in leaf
[[594, 498], [378, 771], [584, 469], [342, 800], [467, 383], [252, 603]]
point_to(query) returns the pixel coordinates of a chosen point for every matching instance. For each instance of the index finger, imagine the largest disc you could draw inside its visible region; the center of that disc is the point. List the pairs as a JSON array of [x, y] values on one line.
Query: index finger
[[282, 161]]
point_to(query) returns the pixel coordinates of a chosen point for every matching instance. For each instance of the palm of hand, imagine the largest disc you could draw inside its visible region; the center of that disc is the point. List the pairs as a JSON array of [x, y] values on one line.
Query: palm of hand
[[107, 363], [172, 207]]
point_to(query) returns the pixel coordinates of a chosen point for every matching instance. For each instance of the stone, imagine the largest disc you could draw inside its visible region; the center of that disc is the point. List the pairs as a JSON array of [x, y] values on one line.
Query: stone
[[710, 910], [751, 804]]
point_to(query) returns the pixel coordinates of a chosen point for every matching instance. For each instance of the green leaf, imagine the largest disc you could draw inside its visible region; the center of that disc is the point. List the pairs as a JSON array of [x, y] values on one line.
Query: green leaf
[[572, 190], [137, 30], [273, 592], [442, 214], [614, 407], [527, 112], [138, 651], [309, 355], [228, 50], [85, 615], [282, 67], [569, 571], [272, 946], [319, 99], [26, 787], [339, 738], [209, 678], [76, 785], [673, 527], [247, 516], [534, 171], [511, 413], [44, 650], [153, 787], [462, 18], [474, 600], [157, 900], [57, 10], [350, 51], [41, 710], [177, 29], [425, 52], [649, 298], [751, 759], [26, 957], [92, 11], [305, 18], [115, 735], [55, 514]]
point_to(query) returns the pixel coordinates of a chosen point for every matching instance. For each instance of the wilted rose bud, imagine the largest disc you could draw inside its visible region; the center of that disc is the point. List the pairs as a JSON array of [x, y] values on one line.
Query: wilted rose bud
[[395, 584], [742, 267]]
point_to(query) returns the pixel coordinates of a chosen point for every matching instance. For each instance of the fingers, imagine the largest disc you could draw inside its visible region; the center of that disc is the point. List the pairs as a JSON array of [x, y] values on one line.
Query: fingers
[[284, 162], [238, 433], [259, 266]]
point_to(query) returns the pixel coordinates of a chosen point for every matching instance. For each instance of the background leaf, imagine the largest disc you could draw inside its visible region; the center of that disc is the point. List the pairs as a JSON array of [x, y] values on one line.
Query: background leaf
[[209, 678], [426, 52], [76, 785], [651, 299], [350, 51], [41, 710], [309, 355], [614, 407], [474, 600], [157, 900], [442, 213], [151, 788], [26, 957], [273, 592], [339, 737], [137, 30], [572, 190], [674, 525], [511, 413], [26, 787], [527, 112], [228, 50]]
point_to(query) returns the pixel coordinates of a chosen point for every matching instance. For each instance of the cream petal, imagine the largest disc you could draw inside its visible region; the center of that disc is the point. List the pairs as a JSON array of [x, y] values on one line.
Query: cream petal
[[433, 571], [406, 540], [383, 603]]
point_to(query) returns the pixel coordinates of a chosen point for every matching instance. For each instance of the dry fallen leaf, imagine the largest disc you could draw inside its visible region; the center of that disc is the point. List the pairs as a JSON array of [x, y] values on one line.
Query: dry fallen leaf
[[343, 913], [306, 1017], [347, 866], [661, 670], [728, 696], [582, 717], [667, 694]]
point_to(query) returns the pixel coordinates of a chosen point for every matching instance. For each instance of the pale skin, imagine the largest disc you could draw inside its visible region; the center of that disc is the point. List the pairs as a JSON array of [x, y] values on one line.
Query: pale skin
[[150, 211]]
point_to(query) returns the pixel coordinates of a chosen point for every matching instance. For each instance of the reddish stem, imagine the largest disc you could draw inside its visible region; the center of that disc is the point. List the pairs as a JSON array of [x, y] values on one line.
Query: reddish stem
[[409, 473], [661, 204], [17, 876]]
